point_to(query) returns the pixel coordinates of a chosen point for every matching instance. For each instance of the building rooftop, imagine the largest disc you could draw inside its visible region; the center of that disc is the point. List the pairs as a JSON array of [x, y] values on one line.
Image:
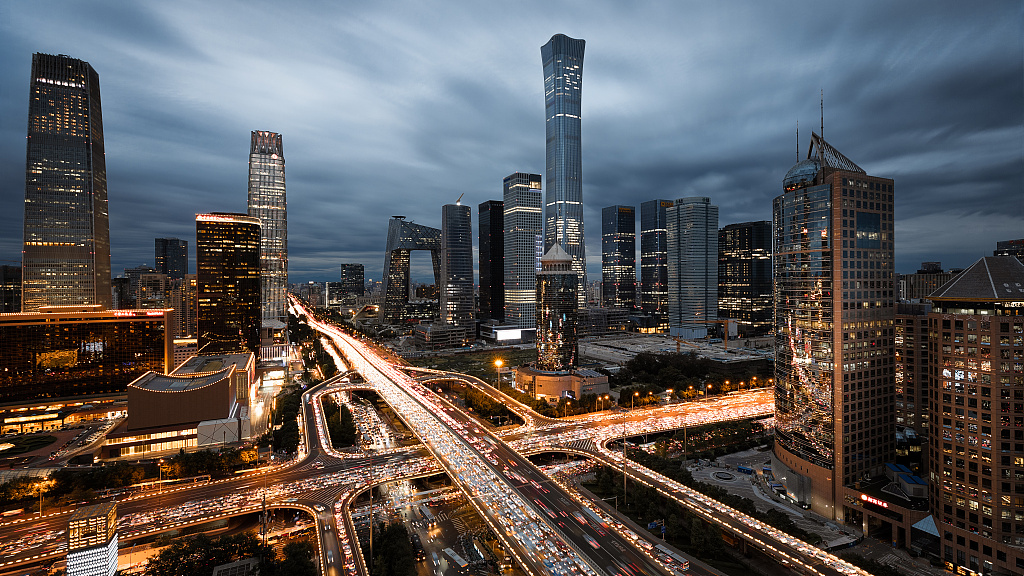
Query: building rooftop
[[990, 278], [199, 365], [99, 510], [155, 382]]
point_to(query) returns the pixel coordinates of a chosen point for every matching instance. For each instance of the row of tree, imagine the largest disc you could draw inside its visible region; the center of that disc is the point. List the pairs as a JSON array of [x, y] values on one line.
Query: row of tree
[[393, 553], [340, 426], [198, 555]]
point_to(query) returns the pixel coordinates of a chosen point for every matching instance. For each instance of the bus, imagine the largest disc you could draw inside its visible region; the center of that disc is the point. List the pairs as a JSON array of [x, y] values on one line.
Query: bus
[[428, 515], [677, 562], [457, 560], [744, 469]]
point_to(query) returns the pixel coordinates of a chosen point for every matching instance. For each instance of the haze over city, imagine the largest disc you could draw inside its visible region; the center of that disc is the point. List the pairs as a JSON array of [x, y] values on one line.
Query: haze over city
[[398, 108]]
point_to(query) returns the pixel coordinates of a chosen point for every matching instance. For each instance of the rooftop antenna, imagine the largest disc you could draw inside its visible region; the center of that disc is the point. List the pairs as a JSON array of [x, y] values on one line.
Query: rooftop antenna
[[797, 140], [822, 114], [459, 201]]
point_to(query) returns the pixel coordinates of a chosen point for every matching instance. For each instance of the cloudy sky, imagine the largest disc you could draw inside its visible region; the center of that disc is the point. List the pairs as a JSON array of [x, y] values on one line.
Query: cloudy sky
[[399, 107]]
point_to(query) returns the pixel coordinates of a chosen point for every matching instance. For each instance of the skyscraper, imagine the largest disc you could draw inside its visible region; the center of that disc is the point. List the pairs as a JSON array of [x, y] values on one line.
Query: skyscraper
[[557, 311], [523, 228], [745, 276], [267, 201], [976, 347], [834, 355], [66, 258], [457, 267], [228, 283], [618, 257], [563, 206], [10, 289], [691, 236], [654, 261], [492, 260], [172, 257], [352, 281], [404, 237]]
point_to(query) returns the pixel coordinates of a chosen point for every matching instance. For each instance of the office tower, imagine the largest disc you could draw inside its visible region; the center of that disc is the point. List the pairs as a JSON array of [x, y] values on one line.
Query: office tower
[[618, 257], [834, 372], [691, 238], [910, 344], [66, 259], [10, 289], [92, 541], [172, 257], [976, 347], [456, 302], [154, 291], [64, 352], [557, 311], [926, 280], [523, 227], [492, 260], [654, 262], [352, 279], [404, 237], [563, 205], [122, 299], [228, 283], [184, 300], [268, 203], [745, 276], [1013, 248], [133, 275]]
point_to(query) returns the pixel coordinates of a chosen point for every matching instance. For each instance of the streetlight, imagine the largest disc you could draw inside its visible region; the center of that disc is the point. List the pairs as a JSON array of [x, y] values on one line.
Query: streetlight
[[707, 387], [497, 370], [565, 411], [669, 399], [160, 484]]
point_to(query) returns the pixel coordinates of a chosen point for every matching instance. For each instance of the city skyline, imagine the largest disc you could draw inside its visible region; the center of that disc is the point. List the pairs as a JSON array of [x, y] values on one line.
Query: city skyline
[[936, 107]]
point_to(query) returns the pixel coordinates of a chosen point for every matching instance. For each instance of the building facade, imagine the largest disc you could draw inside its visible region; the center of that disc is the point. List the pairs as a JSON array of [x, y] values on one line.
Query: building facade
[[92, 541], [745, 276], [10, 289], [563, 205], [403, 237], [691, 237], [834, 356], [618, 257], [911, 378], [269, 203], [69, 351], [524, 228], [171, 257], [66, 257], [654, 262], [352, 279], [228, 283], [926, 280], [491, 245], [557, 312], [456, 298], [976, 354], [1013, 248]]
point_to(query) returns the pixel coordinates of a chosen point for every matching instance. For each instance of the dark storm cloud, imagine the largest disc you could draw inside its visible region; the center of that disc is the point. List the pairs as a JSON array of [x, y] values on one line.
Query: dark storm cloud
[[398, 108]]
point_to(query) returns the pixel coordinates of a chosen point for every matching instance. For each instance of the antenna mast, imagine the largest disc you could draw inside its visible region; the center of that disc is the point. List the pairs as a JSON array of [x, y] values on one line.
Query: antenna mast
[[822, 113], [797, 140]]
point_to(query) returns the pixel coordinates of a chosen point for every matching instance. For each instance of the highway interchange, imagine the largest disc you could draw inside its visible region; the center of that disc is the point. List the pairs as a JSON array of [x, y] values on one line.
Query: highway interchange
[[548, 529]]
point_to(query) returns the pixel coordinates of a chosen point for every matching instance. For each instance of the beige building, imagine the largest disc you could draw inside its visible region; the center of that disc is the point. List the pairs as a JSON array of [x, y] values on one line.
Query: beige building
[[551, 385]]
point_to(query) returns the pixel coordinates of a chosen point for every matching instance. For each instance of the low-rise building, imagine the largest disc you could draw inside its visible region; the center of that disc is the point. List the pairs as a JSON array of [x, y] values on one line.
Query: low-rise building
[[550, 385], [92, 541]]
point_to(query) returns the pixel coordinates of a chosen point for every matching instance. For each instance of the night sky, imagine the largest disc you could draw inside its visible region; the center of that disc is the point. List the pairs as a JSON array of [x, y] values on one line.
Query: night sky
[[399, 107]]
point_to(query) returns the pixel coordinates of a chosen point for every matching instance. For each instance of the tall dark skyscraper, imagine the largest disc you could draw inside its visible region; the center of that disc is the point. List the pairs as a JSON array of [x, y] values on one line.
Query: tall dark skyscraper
[[557, 311], [745, 276], [691, 235], [618, 257], [834, 318], [10, 289], [267, 201], [563, 206], [457, 267], [654, 261], [172, 257], [492, 259], [524, 230], [352, 280], [66, 258], [228, 283]]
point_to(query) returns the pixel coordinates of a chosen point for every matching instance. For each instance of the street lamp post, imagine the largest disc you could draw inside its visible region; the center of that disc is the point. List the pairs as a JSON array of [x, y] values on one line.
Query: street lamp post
[[668, 400], [565, 411], [706, 389], [160, 483], [497, 370]]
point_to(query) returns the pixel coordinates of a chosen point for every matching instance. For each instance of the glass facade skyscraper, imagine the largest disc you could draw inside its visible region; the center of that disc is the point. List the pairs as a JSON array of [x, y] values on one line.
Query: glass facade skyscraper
[[654, 261], [268, 202], [228, 283], [492, 259], [523, 232], [745, 276], [691, 235], [456, 298], [66, 259], [563, 205], [618, 257], [834, 340], [172, 257], [352, 279], [557, 312]]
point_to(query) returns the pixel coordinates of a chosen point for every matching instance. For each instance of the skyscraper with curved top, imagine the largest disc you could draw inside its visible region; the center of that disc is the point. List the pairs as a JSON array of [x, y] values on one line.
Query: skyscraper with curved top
[[563, 204]]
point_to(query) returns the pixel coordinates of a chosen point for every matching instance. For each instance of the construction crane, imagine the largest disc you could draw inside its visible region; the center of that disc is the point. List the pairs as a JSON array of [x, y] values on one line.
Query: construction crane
[[725, 338]]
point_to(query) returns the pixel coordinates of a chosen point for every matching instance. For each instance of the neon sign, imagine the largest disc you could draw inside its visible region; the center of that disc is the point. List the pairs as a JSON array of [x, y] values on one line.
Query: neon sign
[[875, 501]]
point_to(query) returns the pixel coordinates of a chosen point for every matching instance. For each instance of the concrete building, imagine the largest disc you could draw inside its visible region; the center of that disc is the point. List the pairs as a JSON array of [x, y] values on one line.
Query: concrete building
[[1013, 248], [976, 355], [352, 281], [691, 236], [404, 237], [552, 385]]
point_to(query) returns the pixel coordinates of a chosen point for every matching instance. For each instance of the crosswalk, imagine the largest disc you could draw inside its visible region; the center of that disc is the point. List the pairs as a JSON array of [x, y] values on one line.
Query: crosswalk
[[582, 444]]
